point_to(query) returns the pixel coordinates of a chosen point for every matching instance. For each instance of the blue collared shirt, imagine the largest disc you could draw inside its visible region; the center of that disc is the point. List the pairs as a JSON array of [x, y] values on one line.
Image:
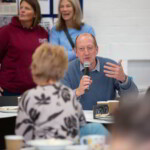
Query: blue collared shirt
[[97, 68]]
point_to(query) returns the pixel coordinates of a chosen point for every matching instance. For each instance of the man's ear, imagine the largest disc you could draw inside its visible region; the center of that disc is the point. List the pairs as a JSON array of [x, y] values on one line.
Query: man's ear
[[75, 50]]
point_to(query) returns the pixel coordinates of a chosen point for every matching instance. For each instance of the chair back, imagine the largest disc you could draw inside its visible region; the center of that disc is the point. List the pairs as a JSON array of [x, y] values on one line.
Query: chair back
[[8, 100]]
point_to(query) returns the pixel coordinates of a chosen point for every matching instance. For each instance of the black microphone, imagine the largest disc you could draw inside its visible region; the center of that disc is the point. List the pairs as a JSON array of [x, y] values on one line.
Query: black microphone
[[86, 71], [86, 68]]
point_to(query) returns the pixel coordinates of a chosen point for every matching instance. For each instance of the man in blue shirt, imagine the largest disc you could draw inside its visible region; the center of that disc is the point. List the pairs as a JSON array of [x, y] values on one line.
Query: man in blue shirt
[[105, 77]]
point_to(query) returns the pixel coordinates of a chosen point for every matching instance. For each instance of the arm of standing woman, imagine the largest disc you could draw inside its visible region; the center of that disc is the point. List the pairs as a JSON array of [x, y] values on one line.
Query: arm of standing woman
[[4, 40], [54, 37]]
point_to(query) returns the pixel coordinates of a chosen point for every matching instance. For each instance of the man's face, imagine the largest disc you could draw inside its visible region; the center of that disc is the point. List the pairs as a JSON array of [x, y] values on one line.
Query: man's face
[[86, 50]]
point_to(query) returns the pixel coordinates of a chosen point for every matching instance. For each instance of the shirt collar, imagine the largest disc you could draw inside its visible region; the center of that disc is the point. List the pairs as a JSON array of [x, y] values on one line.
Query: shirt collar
[[97, 68]]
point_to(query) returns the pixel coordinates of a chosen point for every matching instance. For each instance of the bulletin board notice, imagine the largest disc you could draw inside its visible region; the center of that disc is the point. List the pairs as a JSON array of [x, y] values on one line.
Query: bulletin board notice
[[8, 7]]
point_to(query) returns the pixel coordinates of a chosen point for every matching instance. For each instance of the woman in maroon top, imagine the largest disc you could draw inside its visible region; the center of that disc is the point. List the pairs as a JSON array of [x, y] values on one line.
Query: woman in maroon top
[[18, 41]]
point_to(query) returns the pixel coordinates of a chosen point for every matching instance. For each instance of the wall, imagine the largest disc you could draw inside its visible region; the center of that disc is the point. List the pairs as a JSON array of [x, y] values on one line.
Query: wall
[[123, 32]]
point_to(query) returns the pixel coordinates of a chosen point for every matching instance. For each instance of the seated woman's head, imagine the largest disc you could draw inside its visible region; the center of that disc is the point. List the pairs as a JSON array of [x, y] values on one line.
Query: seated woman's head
[[49, 63]]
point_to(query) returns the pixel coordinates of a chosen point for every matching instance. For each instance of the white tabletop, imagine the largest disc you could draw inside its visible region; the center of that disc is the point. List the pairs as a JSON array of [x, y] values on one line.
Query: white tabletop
[[7, 115], [88, 115]]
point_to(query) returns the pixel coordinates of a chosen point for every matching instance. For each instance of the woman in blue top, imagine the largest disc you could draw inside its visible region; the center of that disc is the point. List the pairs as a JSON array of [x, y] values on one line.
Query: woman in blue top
[[70, 16]]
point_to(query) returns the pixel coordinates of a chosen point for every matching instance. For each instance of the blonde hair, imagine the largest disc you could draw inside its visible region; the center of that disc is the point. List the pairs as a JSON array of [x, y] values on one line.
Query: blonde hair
[[49, 62], [77, 18]]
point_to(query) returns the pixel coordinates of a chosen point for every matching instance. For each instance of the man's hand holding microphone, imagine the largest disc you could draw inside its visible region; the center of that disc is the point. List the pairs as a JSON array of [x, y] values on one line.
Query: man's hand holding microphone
[[85, 81]]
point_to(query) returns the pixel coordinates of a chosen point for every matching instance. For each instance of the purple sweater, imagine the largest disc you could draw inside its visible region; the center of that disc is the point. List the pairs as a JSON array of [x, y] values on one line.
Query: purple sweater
[[17, 45]]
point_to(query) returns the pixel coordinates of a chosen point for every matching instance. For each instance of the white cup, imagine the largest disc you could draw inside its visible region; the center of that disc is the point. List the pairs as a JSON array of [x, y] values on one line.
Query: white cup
[[13, 142], [19, 99], [77, 147], [94, 141]]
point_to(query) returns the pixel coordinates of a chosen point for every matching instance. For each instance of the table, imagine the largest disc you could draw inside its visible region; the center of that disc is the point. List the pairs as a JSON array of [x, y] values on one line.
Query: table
[[88, 115], [7, 123], [7, 115]]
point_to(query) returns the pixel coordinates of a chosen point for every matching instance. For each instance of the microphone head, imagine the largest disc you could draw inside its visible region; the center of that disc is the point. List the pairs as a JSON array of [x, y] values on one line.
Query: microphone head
[[86, 64]]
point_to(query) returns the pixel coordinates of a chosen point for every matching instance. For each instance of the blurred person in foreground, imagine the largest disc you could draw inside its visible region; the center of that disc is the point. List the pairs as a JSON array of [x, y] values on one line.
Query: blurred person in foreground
[[18, 41], [131, 130], [105, 75], [51, 109], [147, 94], [69, 19]]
